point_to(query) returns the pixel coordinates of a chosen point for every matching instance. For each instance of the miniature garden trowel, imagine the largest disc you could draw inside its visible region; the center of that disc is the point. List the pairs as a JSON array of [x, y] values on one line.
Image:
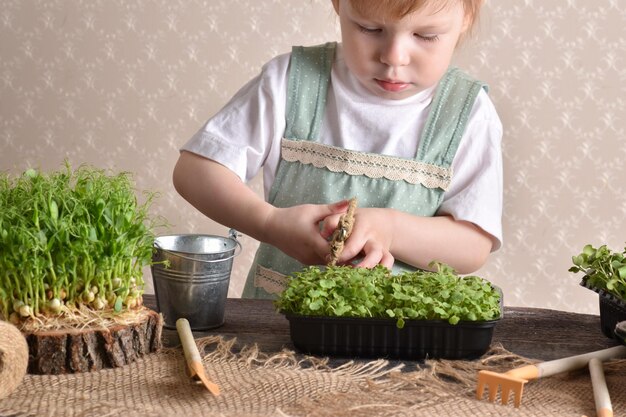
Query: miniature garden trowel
[[514, 380], [192, 356]]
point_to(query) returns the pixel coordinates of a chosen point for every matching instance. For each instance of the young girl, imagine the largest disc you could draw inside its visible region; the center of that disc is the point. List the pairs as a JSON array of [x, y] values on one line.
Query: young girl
[[382, 117]]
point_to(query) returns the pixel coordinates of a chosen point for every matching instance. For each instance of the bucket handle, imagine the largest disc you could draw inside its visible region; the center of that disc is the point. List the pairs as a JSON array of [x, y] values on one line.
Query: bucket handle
[[232, 234]]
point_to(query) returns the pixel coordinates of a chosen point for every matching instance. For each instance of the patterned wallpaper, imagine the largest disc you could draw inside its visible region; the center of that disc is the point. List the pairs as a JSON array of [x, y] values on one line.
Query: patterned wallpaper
[[122, 84]]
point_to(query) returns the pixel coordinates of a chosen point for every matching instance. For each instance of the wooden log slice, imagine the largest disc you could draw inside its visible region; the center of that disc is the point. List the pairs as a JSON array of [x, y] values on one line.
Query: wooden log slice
[[71, 350]]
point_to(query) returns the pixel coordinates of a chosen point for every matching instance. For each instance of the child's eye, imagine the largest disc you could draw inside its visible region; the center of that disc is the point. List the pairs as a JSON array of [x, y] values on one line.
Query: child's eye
[[368, 30], [427, 38]]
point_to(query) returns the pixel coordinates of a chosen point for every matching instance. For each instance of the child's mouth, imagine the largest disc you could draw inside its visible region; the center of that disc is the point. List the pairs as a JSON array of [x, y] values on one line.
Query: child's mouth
[[393, 86]]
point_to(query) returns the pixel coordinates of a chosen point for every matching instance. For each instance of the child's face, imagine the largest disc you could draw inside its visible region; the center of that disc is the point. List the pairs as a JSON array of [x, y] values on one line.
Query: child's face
[[395, 59]]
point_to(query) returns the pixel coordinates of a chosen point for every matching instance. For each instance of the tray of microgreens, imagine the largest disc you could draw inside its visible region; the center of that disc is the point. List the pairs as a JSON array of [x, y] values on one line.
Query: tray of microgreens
[[346, 311], [73, 244], [604, 272]]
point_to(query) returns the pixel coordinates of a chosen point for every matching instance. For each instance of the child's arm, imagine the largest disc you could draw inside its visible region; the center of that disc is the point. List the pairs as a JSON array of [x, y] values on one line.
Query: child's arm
[[381, 234], [220, 194]]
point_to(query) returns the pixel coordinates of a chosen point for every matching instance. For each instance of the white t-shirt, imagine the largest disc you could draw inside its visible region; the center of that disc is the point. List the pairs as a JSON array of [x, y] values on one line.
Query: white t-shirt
[[245, 136]]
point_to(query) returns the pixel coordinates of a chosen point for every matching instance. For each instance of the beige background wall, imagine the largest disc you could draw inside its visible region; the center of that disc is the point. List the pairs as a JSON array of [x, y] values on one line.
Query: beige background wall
[[122, 84]]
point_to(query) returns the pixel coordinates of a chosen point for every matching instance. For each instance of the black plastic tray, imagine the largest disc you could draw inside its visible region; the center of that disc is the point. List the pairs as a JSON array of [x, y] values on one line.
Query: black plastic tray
[[612, 310], [381, 338]]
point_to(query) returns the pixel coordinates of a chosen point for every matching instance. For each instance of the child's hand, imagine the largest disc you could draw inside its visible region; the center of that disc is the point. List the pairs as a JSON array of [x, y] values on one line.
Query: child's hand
[[295, 230], [371, 238]]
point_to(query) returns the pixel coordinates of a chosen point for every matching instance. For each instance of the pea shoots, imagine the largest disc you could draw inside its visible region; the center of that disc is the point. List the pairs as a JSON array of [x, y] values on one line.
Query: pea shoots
[[71, 239], [345, 291]]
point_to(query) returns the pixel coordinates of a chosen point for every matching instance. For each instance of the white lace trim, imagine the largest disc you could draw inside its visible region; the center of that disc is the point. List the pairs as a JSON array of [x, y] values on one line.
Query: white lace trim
[[371, 165], [271, 281]]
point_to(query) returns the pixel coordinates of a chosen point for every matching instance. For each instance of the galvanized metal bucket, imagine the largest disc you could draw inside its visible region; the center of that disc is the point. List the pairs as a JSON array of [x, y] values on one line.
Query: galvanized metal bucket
[[191, 274]]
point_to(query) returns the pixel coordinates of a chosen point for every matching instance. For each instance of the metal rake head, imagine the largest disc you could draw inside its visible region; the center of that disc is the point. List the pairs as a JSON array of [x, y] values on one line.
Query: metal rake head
[[506, 384]]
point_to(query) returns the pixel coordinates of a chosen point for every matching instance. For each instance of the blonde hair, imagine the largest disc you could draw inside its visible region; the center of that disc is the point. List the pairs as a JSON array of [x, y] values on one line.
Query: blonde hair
[[397, 9]]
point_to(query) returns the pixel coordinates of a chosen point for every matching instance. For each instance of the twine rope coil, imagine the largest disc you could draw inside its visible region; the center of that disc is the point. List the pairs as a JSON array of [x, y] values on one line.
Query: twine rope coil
[[13, 358]]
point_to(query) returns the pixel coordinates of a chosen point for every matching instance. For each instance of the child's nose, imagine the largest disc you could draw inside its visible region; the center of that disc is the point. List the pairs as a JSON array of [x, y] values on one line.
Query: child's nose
[[394, 54]]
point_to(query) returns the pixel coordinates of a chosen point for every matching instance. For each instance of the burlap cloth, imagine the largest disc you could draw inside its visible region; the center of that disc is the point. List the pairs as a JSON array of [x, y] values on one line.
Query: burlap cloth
[[284, 384]]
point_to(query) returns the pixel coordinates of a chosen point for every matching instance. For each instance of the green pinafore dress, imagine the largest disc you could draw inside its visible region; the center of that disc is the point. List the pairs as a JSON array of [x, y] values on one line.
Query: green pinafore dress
[[311, 172]]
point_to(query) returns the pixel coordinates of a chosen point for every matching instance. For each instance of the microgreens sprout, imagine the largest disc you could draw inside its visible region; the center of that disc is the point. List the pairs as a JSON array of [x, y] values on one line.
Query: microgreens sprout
[[604, 269], [71, 238], [345, 291]]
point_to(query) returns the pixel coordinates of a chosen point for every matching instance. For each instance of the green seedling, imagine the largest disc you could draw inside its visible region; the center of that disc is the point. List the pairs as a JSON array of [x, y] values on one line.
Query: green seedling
[[604, 269], [344, 291], [70, 239]]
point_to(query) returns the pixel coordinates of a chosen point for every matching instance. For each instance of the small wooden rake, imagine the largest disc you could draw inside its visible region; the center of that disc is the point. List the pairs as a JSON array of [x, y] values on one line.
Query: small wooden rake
[[513, 381]]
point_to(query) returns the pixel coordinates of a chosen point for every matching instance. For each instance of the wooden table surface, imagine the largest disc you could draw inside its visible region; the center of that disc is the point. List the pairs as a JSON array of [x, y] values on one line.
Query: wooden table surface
[[531, 332]]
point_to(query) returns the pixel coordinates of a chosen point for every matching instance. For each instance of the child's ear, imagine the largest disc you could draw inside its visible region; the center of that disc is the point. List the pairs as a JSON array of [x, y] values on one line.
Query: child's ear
[[470, 15], [467, 22]]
